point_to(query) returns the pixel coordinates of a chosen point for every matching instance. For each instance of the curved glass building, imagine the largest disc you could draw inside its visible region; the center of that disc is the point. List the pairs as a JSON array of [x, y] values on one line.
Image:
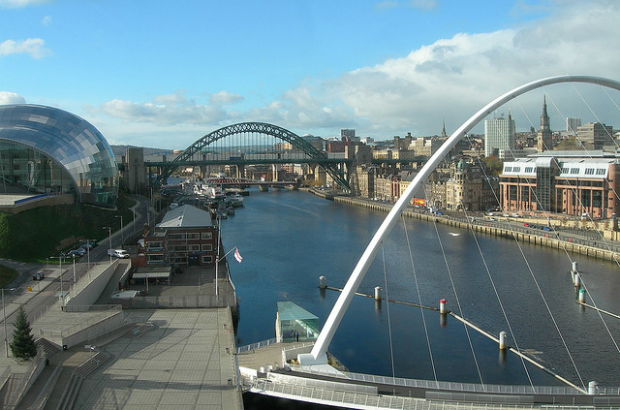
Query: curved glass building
[[47, 150]]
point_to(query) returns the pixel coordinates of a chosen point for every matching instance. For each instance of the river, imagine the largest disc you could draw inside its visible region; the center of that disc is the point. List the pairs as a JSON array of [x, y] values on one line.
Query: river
[[288, 239]]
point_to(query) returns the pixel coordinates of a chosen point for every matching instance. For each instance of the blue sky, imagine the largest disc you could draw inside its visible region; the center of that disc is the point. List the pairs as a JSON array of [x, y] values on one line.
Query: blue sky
[[163, 74]]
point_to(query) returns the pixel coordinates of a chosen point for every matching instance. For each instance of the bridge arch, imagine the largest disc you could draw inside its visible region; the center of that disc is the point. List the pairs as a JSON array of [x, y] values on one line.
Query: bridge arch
[[318, 354], [262, 128]]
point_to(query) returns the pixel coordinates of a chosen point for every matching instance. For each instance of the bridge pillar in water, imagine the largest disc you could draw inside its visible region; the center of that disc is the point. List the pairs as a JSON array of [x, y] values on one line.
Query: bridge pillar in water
[[263, 188]]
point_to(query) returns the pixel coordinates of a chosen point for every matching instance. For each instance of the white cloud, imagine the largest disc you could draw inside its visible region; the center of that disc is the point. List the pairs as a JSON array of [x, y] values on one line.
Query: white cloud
[[452, 78], [47, 20], [449, 80], [7, 97], [170, 109], [11, 4], [35, 47]]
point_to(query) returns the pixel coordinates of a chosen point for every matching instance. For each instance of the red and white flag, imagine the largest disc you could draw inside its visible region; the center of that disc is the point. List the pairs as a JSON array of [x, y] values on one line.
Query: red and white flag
[[238, 255]]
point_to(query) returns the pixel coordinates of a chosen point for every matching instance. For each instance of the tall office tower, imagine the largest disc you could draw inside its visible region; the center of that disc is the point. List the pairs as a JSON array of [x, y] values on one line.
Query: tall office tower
[[499, 136], [545, 138], [572, 124]]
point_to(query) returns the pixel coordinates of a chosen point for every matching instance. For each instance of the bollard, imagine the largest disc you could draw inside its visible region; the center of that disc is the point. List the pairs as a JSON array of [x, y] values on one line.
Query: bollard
[[576, 280], [502, 340], [322, 282], [442, 306], [592, 388], [582, 296], [378, 295], [574, 267]]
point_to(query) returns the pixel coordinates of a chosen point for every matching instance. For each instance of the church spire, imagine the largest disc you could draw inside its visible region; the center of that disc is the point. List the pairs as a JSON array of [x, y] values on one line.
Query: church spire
[[544, 118], [443, 129]]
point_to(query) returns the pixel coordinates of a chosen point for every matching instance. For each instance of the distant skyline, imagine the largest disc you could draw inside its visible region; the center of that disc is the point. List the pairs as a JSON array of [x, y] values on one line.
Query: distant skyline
[[163, 74]]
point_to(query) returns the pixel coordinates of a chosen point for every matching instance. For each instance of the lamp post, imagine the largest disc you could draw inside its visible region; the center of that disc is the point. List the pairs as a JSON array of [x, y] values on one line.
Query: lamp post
[[110, 239], [122, 235], [6, 335], [62, 295], [74, 277]]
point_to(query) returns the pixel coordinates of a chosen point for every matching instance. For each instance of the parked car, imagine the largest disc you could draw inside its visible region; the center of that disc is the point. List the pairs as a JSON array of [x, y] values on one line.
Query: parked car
[[38, 276], [78, 252]]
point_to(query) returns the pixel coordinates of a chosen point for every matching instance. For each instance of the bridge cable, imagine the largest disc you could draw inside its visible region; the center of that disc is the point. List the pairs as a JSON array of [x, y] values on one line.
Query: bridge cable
[[539, 291], [388, 311], [417, 287], [458, 303], [499, 299]]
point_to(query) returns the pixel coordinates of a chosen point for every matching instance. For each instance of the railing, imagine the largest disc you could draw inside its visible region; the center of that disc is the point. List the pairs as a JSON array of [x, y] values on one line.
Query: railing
[[254, 346]]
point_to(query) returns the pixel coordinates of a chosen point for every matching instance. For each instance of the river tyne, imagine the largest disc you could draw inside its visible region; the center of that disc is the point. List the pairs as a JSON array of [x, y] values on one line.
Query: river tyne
[[288, 239]]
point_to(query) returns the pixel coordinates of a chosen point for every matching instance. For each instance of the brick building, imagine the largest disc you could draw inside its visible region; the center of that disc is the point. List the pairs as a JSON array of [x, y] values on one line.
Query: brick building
[[185, 236]]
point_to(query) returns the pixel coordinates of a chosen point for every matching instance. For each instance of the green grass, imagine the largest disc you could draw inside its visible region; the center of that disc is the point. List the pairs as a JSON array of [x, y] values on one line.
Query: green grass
[[7, 275], [39, 233]]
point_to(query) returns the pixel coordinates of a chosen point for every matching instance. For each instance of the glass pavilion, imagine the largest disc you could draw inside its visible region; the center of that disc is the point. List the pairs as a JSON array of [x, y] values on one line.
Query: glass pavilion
[[50, 151]]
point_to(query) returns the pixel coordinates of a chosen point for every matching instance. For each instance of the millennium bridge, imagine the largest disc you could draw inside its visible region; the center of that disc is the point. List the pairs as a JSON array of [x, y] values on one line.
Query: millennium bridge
[[306, 372]]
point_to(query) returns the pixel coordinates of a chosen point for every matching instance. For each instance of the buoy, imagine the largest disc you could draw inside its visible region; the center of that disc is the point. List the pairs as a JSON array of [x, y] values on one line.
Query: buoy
[[502, 340], [442, 306], [322, 282], [378, 295], [592, 388], [574, 267], [576, 280], [582, 296]]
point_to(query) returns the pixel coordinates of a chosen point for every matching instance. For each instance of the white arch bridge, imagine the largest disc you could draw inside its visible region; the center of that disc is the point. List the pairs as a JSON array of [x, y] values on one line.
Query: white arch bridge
[[379, 392]]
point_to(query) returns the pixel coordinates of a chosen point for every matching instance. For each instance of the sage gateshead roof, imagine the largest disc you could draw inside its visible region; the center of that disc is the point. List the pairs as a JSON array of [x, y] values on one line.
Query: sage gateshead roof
[[47, 150]]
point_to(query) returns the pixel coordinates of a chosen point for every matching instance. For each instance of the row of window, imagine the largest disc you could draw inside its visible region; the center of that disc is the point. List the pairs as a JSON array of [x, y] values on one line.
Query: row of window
[[190, 236]]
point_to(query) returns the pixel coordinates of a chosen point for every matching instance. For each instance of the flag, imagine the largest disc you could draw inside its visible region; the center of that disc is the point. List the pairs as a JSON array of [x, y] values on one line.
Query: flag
[[238, 255]]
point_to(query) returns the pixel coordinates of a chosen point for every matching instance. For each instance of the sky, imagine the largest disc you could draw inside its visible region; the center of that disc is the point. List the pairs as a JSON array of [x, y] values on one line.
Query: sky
[[163, 74]]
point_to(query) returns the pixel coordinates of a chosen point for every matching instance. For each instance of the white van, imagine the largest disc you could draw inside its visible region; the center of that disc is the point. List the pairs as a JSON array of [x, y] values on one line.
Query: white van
[[118, 253]]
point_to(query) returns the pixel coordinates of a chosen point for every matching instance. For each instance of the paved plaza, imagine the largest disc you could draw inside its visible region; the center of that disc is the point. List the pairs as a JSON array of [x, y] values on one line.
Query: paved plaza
[[180, 359]]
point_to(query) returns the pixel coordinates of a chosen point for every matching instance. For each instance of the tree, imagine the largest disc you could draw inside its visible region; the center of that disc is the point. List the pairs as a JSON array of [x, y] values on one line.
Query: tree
[[23, 346]]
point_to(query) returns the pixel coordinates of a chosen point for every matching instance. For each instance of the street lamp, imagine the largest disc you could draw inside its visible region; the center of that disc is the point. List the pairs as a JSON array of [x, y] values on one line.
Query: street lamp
[[62, 295], [110, 238], [122, 235], [6, 335]]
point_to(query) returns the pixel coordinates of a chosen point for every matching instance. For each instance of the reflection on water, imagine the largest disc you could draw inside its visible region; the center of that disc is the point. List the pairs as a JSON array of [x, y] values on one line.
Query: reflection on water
[[288, 239]]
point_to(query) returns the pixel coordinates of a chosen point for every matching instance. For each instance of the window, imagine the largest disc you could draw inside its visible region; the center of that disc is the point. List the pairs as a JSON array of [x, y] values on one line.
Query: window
[[529, 170], [589, 171], [154, 245], [207, 247], [601, 171], [176, 236], [194, 248], [206, 235], [574, 171], [193, 236], [207, 259]]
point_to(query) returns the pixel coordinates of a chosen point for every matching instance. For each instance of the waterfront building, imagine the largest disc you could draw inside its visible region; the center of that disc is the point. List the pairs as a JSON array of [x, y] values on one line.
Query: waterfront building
[[44, 150], [499, 135], [565, 184], [185, 236], [470, 187]]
